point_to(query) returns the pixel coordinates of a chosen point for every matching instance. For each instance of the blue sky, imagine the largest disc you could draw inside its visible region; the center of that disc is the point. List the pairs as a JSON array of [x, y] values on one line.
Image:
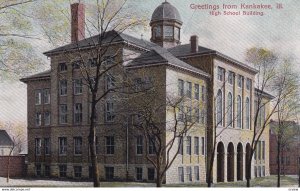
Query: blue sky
[[278, 30]]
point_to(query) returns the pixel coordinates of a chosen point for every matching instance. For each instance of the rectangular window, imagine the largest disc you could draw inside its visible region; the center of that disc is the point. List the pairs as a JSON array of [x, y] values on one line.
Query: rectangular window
[[181, 111], [230, 78], [62, 67], [38, 146], [63, 170], [47, 170], [202, 146], [63, 114], [77, 145], [180, 145], [78, 113], [168, 32], [46, 96], [77, 171], [180, 174], [77, 86], [110, 145], [263, 171], [38, 97], [47, 146], [97, 146], [196, 145], [109, 111], [189, 173], [63, 87], [139, 145], [203, 93], [47, 118], [38, 119], [38, 169], [240, 81], [188, 145], [151, 149], [255, 171], [109, 173], [139, 174], [189, 89], [259, 150], [180, 87], [197, 115], [248, 84], [76, 64], [110, 82], [189, 114], [151, 173], [203, 116], [197, 92], [62, 143], [221, 72], [197, 173], [263, 150]]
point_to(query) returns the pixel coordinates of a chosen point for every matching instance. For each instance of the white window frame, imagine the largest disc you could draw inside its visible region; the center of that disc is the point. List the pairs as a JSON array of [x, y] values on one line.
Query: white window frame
[[78, 113], [38, 119], [63, 87], [63, 113], [62, 145], [78, 86], [47, 118], [38, 97], [77, 145]]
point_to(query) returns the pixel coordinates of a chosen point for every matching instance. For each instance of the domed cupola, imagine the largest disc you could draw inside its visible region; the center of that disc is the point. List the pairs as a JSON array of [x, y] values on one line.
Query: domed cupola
[[165, 25]]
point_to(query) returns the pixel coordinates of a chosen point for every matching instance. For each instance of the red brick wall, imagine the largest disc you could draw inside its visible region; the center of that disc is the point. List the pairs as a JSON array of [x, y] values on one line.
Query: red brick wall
[[17, 166]]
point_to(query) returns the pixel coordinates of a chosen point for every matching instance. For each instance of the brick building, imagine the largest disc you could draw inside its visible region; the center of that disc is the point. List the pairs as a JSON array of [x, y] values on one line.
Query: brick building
[[58, 113], [6, 143]]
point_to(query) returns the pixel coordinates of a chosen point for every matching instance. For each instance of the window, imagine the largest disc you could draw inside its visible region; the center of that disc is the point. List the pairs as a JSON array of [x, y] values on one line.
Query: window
[[139, 174], [47, 171], [189, 89], [109, 111], [168, 32], [239, 112], [188, 145], [230, 78], [177, 33], [202, 146], [196, 145], [219, 109], [197, 92], [63, 170], [38, 97], [263, 171], [259, 171], [38, 119], [47, 146], [77, 86], [180, 87], [46, 96], [63, 114], [197, 115], [97, 146], [78, 113], [263, 150], [247, 113], [221, 73], [77, 145], [189, 173], [47, 118], [248, 84], [230, 110], [76, 64], [91, 172], [180, 145], [38, 169], [151, 149], [110, 82], [203, 116], [110, 145], [139, 145], [259, 150], [203, 93], [77, 171], [151, 173], [108, 60], [180, 174], [196, 172], [189, 114], [38, 146], [62, 142], [62, 67], [255, 171], [181, 112], [109, 173], [63, 87], [240, 81], [157, 31]]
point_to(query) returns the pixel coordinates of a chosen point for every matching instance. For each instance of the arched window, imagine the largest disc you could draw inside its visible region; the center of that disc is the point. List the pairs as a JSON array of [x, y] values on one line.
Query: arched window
[[247, 113], [219, 108], [229, 110], [239, 112]]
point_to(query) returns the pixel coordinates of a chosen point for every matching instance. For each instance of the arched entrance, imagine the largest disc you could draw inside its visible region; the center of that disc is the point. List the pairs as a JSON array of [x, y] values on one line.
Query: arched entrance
[[230, 163], [220, 162], [248, 150], [239, 161]]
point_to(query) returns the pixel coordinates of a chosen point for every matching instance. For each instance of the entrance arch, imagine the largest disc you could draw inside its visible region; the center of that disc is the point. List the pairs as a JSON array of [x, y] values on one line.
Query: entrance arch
[[248, 150], [230, 162], [220, 162], [239, 161]]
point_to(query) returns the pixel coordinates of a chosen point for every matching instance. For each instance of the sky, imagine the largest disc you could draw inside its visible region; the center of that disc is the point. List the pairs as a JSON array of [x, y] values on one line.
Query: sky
[[277, 29]]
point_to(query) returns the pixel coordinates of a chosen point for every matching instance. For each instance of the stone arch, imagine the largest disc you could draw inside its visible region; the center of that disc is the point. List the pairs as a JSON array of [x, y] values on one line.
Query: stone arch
[[220, 162], [230, 162], [248, 153], [239, 160]]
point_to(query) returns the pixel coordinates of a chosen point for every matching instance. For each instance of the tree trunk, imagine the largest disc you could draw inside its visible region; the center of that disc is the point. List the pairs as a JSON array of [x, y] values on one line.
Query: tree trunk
[[278, 164], [209, 178], [8, 168], [158, 177], [248, 174]]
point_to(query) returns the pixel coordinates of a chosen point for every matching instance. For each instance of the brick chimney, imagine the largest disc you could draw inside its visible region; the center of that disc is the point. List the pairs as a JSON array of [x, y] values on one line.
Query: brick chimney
[[77, 22], [194, 43]]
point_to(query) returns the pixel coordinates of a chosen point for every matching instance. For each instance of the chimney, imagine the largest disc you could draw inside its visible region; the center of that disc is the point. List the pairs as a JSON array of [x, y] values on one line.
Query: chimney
[[77, 22], [194, 43]]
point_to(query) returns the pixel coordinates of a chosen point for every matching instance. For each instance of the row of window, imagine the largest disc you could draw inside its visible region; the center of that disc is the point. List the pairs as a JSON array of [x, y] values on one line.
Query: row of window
[[169, 32], [188, 114], [260, 152], [39, 118], [189, 174], [188, 144], [185, 89], [42, 96], [259, 171], [231, 78], [284, 160]]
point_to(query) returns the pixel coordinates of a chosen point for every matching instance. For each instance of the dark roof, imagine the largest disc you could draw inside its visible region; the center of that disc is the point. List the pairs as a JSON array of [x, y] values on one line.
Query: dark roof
[[185, 51], [166, 11], [38, 76], [160, 55], [5, 139], [264, 93], [106, 39]]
